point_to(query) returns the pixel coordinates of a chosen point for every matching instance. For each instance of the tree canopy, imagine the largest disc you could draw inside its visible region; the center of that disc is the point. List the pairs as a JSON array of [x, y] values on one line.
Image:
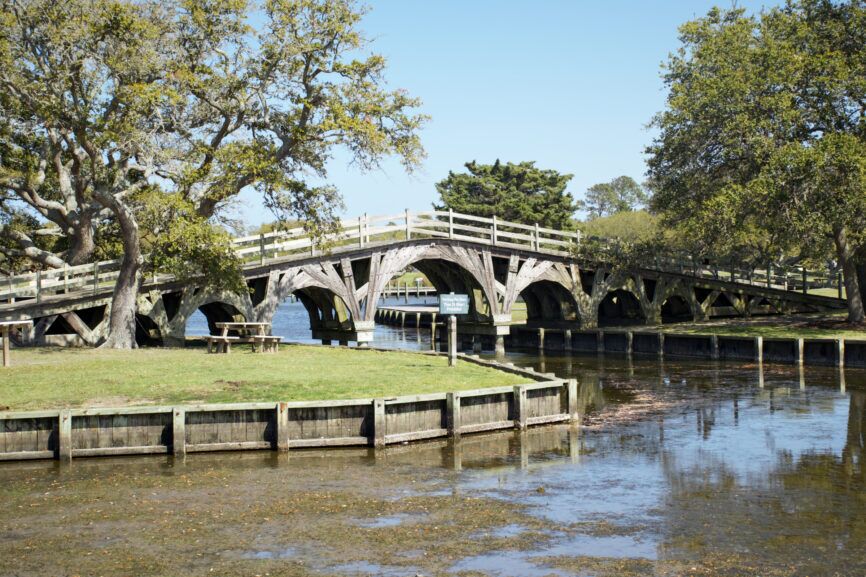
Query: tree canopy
[[516, 192], [136, 120], [622, 194], [763, 139]]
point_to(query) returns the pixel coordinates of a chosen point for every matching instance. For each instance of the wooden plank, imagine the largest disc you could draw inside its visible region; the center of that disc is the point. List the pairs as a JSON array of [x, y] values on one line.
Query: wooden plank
[[415, 436], [337, 442], [115, 451], [547, 419], [26, 455], [491, 426], [238, 446]]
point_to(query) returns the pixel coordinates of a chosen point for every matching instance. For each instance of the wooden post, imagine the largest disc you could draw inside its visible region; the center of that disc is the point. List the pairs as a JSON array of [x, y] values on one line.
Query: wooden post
[[178, 432], [537, 238], [64, 436], [262, 248], [378, 423], [759, 349], [452, 416], [801, 349], [661, 340], [360, 232], [450, 223], [452, 341], [493, 232], [572, 401], [541, 339], [408, 226], [566, 340], [714, 347], [599, 341], [433, 331], [629, 342], [520, 407], [769, 275], [839, 284], [282, 427], [840, 352], [95, 277], [7, 357], [38, 286], [805, 289]]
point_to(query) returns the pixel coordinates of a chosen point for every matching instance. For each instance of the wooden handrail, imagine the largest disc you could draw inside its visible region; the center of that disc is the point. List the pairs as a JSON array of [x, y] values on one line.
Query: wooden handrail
[[256, 249]]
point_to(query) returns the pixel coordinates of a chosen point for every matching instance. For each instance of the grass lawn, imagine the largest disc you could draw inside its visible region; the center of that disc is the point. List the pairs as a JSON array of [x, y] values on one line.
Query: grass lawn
[[819, 325], [48, 378]]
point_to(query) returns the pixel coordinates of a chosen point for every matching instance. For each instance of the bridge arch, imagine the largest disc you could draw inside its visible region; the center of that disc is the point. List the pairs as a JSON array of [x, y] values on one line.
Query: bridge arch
[[449, 269], [676, 309], [621, 306], [548, 302]]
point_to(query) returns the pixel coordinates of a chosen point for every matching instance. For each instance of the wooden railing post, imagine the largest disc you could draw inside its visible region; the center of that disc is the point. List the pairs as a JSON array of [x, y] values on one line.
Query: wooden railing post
[[38, 286], [805, 288], [408, 226], [452, 414], [493, 232], [64, 436], [262, 248], [378, 423], [520, 407], [178, 431], [282, 415], [450, 223], [573, 414], [769, 275], [360, 231], [537, 238], [95, 277], [839, 284]]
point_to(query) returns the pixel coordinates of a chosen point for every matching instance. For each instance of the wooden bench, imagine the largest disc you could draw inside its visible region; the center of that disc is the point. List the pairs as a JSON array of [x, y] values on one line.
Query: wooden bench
[[220, 344], [268, 343]]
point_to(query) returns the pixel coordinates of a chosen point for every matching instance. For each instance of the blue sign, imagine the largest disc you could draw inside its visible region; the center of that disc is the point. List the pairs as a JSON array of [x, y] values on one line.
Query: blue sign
[[452, 304]]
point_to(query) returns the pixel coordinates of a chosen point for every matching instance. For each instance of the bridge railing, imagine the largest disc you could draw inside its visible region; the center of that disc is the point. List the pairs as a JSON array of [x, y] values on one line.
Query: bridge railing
[[366, 230]]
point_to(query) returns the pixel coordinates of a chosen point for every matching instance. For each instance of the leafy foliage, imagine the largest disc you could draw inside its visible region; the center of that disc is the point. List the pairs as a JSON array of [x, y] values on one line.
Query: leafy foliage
[[762, 141], [516, 192], [629, 226], [622, 194], [106, 104]]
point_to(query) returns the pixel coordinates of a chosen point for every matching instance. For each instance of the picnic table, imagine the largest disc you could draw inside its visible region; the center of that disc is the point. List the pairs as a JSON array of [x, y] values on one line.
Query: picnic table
[[248, 332], [6, 328]]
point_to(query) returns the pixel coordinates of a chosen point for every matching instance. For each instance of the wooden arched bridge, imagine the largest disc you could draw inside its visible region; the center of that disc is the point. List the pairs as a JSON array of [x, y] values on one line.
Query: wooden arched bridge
[[497, 263]]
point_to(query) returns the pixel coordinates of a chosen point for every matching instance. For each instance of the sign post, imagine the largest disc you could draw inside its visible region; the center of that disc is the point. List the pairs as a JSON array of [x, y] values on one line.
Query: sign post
[[452, 305], [452, 341]]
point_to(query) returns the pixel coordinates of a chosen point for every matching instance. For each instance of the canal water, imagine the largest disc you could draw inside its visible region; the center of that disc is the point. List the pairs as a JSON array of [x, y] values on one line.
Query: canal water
[[680, 468]]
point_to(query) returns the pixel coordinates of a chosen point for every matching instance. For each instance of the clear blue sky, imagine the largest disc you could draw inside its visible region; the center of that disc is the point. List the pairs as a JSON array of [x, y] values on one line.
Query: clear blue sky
[[568, 84]]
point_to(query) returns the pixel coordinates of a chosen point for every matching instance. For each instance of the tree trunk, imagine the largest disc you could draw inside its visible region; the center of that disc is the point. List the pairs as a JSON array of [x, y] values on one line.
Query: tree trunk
[[845, 253], [81, 244], [121, 324]]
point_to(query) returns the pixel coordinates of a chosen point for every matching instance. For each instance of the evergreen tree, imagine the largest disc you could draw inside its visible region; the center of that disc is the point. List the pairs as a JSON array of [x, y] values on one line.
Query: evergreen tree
[[516, 192]]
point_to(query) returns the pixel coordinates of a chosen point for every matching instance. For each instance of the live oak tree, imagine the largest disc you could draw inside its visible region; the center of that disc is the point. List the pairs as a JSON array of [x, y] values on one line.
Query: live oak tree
[[622, 194], [150, 117], [516, 192], [763, 138]]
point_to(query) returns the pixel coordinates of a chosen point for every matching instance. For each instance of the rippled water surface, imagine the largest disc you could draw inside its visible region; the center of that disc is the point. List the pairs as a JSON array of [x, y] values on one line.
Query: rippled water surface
[[680, 468]]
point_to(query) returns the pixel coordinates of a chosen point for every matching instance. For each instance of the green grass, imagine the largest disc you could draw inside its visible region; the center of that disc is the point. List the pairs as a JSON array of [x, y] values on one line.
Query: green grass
[[50, 378], [823, 325]]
